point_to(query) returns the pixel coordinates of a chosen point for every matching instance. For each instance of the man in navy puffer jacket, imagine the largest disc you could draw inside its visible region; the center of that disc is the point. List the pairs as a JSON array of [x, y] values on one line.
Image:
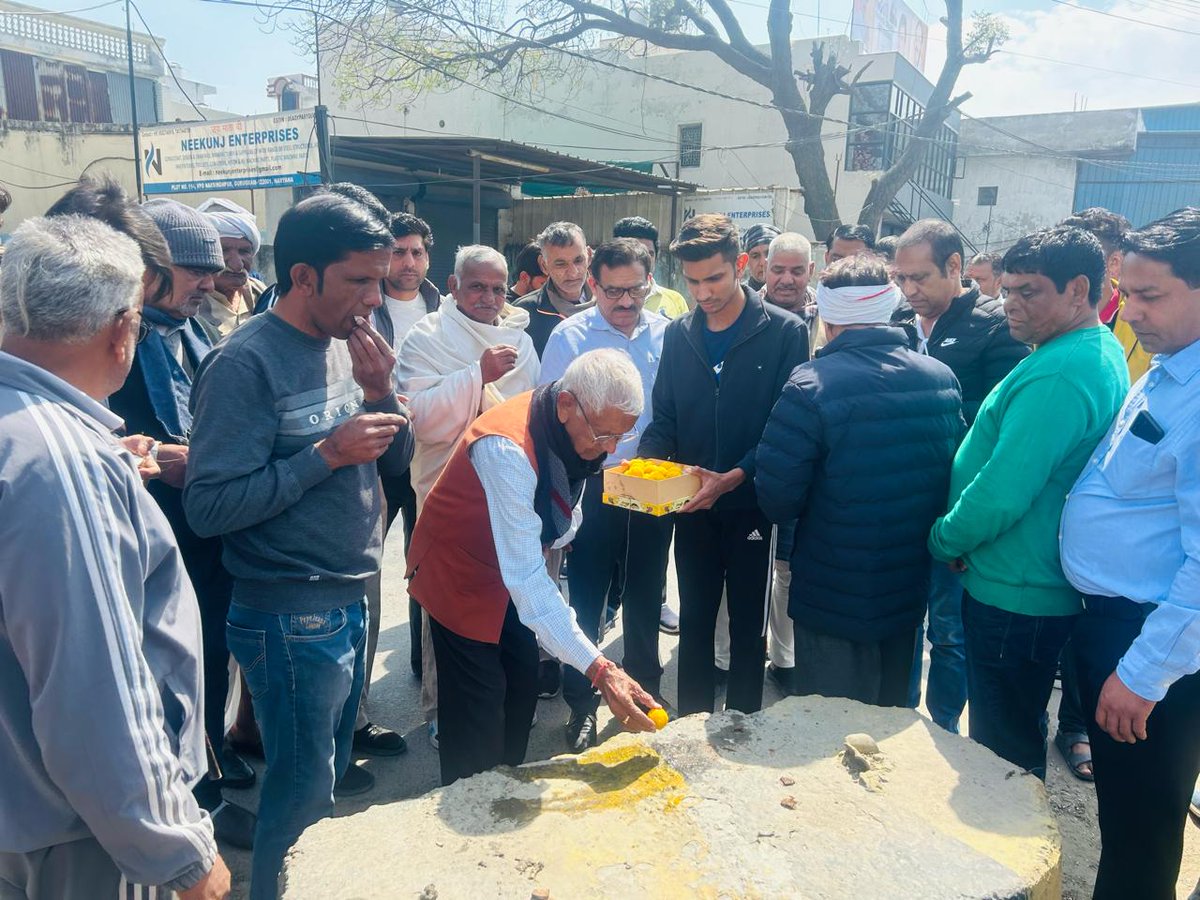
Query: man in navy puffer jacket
[[858, 450]]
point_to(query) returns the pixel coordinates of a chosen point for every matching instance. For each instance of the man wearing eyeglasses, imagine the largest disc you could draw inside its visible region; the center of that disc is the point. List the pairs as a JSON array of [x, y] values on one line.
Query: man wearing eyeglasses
[[154, 402], [611, 539], [510, 493]]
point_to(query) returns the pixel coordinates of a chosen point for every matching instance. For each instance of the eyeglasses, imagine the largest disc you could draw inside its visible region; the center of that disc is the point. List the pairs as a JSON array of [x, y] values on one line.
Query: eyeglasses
[[599, 438], [143, 326], [637, 292]]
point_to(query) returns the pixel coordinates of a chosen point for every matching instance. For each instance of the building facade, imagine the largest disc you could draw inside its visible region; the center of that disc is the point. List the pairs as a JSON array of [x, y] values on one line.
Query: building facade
[[1020, 173], [671, 110]]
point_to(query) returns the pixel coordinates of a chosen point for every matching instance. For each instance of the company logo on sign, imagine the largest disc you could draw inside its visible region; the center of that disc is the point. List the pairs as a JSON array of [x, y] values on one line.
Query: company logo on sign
[[153, 157]]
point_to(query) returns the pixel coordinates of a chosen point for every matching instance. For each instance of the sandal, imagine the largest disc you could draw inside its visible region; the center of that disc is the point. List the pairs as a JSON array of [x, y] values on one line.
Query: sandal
[[1065, 741]]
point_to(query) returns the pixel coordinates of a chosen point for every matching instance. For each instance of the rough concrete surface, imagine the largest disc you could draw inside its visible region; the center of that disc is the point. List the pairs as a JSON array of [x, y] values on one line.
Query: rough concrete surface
[[395, 704], [776, 804]]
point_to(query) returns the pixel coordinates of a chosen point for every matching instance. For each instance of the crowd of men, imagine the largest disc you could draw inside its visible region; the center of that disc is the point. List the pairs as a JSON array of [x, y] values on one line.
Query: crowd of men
[[196, 466]]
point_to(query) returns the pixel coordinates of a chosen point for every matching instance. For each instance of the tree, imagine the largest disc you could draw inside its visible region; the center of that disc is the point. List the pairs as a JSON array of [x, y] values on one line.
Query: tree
[[423, 43]]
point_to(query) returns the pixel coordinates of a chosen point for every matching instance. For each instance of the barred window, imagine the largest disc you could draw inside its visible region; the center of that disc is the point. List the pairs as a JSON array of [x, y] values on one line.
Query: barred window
[[690, 137]]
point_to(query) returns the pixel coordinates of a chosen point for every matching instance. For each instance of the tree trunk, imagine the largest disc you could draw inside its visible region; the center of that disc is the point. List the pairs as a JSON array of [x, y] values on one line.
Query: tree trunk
[[808, 156]]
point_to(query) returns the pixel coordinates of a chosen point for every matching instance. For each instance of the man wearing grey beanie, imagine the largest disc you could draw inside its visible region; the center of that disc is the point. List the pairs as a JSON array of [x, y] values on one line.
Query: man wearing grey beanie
[[755, 243], [154, 402]]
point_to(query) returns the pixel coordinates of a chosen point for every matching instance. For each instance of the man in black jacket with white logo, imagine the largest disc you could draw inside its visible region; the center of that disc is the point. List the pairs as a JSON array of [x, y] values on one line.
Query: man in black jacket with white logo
[[969, 333], [866, 408], [723, 367]]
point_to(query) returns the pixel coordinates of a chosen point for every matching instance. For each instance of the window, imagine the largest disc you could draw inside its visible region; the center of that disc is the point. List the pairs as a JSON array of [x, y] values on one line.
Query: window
[[882, 121], [690, 137]]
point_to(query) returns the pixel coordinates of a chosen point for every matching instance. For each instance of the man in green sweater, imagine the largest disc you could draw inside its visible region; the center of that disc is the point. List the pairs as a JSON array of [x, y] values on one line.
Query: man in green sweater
[[1031, 438]]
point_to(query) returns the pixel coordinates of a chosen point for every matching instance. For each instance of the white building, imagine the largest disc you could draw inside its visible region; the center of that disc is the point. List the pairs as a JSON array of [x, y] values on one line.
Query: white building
[[624, 111]]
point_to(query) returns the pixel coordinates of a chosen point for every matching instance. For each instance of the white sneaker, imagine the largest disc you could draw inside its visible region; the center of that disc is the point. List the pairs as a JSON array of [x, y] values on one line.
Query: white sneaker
[[668, 620], [433, 734]]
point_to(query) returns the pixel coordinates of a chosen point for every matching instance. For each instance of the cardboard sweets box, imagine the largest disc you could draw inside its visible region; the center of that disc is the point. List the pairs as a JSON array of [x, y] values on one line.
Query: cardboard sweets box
[[649, 486]]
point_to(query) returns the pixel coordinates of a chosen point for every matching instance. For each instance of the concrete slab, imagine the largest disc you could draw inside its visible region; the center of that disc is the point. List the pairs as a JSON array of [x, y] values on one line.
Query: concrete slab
[[790, 802]]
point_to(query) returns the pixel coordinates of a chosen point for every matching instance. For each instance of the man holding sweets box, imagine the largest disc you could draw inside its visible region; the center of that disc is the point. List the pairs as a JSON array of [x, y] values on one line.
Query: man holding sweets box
[[723, 367]]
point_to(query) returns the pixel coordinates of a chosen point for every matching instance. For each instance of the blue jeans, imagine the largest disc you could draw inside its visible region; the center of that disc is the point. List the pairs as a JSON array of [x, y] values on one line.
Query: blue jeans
[[1011, 661], [946, 692], [305, 673]]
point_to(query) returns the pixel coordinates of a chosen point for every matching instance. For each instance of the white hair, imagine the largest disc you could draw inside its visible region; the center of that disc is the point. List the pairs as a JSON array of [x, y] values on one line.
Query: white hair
[[605, 379], [790, 242], [65, 278], [475, 254]]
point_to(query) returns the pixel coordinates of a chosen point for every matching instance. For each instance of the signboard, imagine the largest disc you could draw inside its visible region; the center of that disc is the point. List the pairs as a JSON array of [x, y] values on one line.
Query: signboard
[[889, 26], [275, 150], [746, 208]]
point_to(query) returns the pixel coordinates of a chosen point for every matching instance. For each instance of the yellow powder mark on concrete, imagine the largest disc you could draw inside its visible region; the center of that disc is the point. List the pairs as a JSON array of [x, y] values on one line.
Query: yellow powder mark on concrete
[[618, 777], [611, 784]]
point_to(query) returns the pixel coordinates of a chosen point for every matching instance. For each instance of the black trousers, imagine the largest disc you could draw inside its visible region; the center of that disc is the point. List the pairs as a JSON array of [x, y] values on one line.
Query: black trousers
[[1071, 719], [399, 496], [730, 551], [1144, 788], [613, 545], [214, 592], [1011, 661], [487, 695], [874, 672]]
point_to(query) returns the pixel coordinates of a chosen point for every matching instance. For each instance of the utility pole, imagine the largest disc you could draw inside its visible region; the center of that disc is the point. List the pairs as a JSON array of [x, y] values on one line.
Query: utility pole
[[137, 142]]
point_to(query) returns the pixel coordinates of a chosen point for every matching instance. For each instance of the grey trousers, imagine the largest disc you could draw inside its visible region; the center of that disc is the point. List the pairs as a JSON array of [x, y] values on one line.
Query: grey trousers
[[79, 870]]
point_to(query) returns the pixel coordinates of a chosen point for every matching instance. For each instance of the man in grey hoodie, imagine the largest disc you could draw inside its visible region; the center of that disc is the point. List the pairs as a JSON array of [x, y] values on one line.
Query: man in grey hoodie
[[101, 709]]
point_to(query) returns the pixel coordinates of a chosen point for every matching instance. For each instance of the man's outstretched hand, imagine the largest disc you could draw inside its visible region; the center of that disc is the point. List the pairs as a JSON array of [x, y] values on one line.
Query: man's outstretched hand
[[624, 696]]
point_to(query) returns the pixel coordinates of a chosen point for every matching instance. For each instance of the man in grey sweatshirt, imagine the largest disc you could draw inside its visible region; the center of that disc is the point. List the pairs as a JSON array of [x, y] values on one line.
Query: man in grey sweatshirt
[[294, 417], [101, 708]]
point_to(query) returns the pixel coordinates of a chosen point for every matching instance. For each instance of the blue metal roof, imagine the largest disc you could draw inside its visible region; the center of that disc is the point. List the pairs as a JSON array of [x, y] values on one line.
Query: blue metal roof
[[1162, 175], [1172, 118]]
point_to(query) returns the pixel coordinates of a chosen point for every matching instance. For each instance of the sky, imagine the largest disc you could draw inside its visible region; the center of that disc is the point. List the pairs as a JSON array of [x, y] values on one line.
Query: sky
[[1108, 54]]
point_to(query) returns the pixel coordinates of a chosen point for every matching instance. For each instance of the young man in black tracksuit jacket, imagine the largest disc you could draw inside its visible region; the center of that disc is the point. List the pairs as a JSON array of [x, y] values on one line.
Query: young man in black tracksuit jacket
[[723, 366]]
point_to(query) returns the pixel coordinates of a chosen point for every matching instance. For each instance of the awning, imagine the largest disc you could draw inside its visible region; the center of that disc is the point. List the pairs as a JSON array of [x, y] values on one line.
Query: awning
[[425, 159]]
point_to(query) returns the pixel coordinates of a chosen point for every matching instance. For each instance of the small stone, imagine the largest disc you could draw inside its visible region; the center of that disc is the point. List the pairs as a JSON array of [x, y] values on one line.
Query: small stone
[[430, 893], [788, 802], [540, 894], [787, 780], [863, 743]]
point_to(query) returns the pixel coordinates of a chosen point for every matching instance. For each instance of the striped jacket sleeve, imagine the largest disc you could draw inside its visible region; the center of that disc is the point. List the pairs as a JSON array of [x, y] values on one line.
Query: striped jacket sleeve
[[73, 568]]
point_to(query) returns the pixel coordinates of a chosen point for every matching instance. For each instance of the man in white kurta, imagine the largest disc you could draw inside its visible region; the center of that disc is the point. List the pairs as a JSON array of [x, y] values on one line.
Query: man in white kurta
[[470, 355]]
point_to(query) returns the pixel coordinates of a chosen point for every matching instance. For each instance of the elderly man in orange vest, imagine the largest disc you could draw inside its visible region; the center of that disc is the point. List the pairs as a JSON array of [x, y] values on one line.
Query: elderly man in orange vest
[[510, 492]]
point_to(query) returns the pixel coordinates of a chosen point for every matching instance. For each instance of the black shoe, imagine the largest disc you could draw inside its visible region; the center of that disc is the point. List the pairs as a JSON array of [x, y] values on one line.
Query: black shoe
[[784, 678], [234, 825], [375, 740], [236, 773], [720, 676], [357, 780], [549, 679], [253, 749], [581, 732]]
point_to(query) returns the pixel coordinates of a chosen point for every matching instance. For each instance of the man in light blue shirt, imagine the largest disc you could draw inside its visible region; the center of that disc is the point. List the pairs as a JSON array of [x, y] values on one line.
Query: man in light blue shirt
[[614, 548], [1130, 541]]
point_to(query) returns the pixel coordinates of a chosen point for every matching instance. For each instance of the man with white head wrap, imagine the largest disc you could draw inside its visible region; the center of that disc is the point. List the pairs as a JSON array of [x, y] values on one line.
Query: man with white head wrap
[[858, 451], [232, 301]]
